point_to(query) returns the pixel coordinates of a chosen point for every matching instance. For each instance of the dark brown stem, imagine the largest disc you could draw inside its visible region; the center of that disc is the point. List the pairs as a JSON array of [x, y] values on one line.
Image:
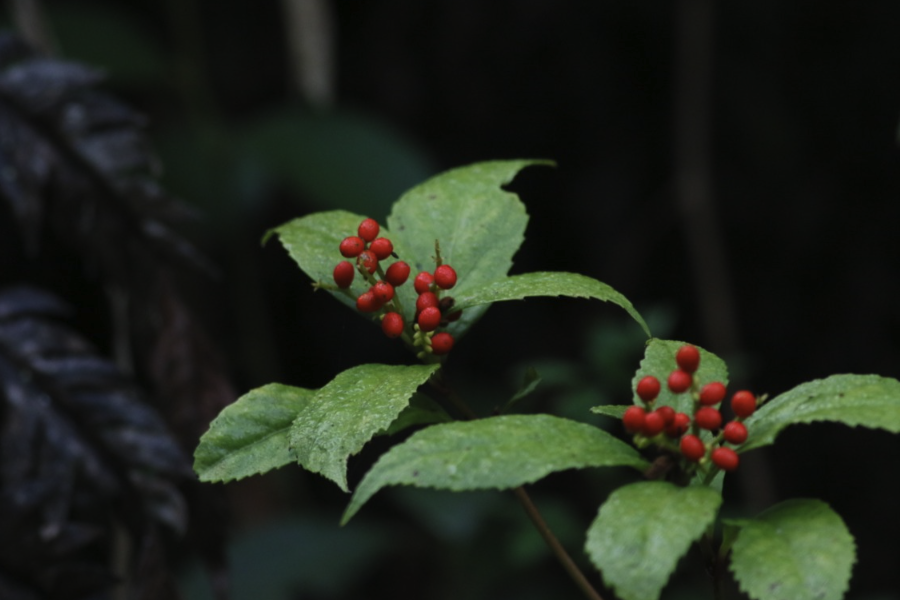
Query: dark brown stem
[[525, 500], [568, 564]]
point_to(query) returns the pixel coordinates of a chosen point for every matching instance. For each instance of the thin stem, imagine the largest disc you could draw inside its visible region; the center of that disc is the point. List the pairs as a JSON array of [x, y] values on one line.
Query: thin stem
[[568, 564], [525, 500]]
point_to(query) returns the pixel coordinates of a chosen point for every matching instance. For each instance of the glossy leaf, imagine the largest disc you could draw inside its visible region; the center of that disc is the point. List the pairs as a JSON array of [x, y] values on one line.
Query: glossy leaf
[[796, 550], [250, 436], [479, 226], [643, 529], [659, 361], [528, 285], [855, 400], [349, 411], [494, 453]]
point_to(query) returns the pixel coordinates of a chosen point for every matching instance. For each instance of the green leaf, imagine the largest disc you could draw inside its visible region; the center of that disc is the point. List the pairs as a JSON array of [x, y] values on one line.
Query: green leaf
[[659, 361], [422, 410], [529, 383], [643, 529], [250, 436], [349, 411], [478, 224], [494, 453], [519, 287], [610, 410], [865, 400], [796, 550]]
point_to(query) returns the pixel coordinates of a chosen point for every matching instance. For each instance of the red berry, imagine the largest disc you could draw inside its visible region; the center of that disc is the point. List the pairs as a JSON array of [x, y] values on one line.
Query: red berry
[[679, 425], [425, 300], [692, 447], [633, 419], [343, 274], [654, 423], [735, 432], [383, 291], [397, 273], [688, 358], [708, 417], [445, 277], [712, 393], [392, 325], [381, 247], [367, 302], [368, 229], [429, 318], [725, 458], [368, 260], [441, 343], [648, 388], [352, 246], [667, 413], [743, 403], [680, 381], [423, 282]]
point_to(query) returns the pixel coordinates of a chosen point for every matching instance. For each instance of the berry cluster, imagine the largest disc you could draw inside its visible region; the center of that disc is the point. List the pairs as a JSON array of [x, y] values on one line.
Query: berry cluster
[[677, 431], [432, 311]]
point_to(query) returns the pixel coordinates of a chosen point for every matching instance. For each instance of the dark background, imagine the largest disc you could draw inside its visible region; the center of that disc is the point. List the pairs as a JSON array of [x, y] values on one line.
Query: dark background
[[789, 268]]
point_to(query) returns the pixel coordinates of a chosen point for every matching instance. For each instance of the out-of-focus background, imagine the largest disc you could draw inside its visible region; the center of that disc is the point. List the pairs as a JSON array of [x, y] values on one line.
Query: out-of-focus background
[[734, 170]]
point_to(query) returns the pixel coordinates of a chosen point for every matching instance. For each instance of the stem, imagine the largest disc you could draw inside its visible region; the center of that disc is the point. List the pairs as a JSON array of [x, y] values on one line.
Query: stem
[[568, 564], [525, 500]]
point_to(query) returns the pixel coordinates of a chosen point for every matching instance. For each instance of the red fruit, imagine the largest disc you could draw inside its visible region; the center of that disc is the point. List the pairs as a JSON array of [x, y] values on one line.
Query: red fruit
[[381, 247], [368, 260], [708, 417], [367, 302], [441, 343], [648, 388], [679, 425], [692, 447], [397, 273], [688, 358], [680, 381], [735, 432], [352, 246], [429, 318], [368, 229], [633, 418], [712, 393], [425, 300], [392, 325], [383, 291], [343, 274], [725, 458], [423, 282], [743, 403], [445, 277], [667, 413], [654, 423]]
